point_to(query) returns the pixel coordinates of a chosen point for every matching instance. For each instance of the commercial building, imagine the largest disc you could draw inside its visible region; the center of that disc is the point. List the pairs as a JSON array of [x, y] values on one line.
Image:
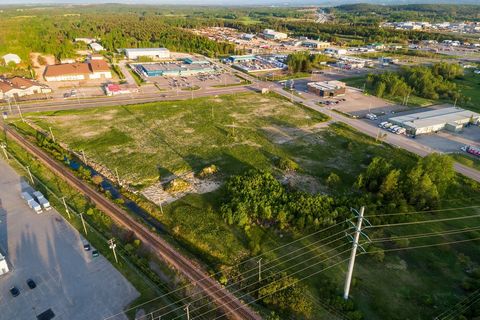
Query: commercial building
[[96, 47], [172, 69], [336, 51], [314, 44], [20, 87], [327, 88], [235, 59], [94, 69], [11, 57], [153, 53], [274, 35], [113, 89], [3, 265], [448, 118], [196, 60]]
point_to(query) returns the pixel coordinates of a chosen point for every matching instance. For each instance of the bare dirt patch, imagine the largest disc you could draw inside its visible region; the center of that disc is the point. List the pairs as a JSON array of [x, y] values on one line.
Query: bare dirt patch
[[157, 194]]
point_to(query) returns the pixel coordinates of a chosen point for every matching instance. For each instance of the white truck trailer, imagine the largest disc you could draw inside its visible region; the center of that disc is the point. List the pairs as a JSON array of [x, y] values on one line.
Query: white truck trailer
[[42, 200], [31, 202]]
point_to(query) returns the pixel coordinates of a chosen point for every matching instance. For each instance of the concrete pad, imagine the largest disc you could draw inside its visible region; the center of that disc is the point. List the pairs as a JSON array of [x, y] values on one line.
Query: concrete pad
[[45, 248]]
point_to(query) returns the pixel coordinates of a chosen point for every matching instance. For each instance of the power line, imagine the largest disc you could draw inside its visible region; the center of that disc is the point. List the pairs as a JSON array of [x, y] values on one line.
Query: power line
[[334, 256], [424, 246], [422, 221], [464, 308], [424, 235], [274, 274], [231, 267], [450, 312], [271, 267], [422, 211], [291, 284]]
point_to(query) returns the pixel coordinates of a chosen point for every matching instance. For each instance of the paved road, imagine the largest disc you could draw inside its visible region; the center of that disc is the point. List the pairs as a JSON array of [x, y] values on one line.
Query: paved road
[[55, 105], [225, 300]]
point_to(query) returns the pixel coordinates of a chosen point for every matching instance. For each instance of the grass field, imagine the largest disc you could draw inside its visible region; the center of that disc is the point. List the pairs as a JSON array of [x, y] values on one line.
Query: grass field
[[149, 141], [470, 87], [251, 131]]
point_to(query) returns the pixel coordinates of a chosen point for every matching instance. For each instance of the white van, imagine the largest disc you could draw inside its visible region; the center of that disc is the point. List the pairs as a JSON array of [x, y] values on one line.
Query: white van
[[382, 124], [393, 128], [387, 125]]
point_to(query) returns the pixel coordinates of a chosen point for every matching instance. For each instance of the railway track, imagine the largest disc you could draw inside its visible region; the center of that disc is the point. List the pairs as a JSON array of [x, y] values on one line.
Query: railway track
[[230, 305]]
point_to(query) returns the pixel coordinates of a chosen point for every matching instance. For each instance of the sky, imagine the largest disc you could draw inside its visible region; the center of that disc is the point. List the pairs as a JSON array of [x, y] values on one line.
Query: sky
[[238, 2]]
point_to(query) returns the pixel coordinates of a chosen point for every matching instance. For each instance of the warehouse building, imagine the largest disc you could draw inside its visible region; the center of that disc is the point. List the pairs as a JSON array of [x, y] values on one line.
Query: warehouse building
[[274, 35], [172, 69], [92, 70], [449, 118], [153, 53], [235, 59], [327, 88]]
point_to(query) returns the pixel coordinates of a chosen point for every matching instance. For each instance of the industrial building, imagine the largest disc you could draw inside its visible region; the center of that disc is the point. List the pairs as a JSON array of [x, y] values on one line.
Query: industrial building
[[274, 35], [335, 51], [153, 53], [172, 69], [235, 59], [196, 60], [94, 69], [314, 44], [327, 88], [448, 118], [20, 87]]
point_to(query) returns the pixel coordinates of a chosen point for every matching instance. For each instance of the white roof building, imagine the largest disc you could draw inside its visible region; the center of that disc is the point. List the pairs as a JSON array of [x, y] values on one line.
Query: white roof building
[[154, 53], [450, 118], [11, 57], [272, 34], [96, 47]]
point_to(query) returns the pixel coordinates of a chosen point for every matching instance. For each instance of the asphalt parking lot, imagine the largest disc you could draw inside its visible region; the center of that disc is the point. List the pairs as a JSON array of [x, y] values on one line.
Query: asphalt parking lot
[[45, 248]]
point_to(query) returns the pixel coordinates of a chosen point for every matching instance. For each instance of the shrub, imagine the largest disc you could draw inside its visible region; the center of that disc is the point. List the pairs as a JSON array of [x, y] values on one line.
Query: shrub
[[177, 185]]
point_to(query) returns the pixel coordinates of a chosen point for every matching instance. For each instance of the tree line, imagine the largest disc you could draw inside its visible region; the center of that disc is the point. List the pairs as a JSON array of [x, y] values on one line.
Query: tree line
[[431, 82]]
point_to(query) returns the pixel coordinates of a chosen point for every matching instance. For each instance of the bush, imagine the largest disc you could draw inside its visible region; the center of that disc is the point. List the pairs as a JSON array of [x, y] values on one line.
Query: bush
[[177, 185], [288, 165], [333, 179], [208, 171]]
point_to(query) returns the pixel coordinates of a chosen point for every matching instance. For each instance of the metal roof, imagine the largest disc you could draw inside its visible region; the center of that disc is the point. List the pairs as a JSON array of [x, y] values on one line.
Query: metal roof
[[435, 117]]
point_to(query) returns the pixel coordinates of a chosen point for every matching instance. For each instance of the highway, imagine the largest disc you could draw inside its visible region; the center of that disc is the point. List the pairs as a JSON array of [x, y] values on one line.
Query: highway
[[225, 300]]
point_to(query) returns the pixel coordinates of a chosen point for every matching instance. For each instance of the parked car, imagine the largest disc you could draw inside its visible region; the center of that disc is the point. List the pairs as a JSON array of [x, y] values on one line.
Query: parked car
[[382, 124], [393, 128], [86, 247], [95, 253], [14, 291], [31, 284], [387, 125]]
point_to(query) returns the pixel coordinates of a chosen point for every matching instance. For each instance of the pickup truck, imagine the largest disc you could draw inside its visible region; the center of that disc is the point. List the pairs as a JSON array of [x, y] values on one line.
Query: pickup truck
[[41, 200], [31, 202]]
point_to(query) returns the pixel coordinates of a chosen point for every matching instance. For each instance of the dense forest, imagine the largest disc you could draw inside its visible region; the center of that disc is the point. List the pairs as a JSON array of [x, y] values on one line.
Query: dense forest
[[434, 82], [370, 13]]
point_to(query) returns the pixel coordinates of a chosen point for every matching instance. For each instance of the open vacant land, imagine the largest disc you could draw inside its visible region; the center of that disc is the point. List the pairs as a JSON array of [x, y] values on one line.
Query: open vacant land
[[250, 130], [152, 141]]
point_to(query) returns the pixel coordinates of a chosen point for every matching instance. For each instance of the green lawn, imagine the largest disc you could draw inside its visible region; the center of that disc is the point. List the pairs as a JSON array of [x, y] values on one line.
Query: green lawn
[[470, 87]]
